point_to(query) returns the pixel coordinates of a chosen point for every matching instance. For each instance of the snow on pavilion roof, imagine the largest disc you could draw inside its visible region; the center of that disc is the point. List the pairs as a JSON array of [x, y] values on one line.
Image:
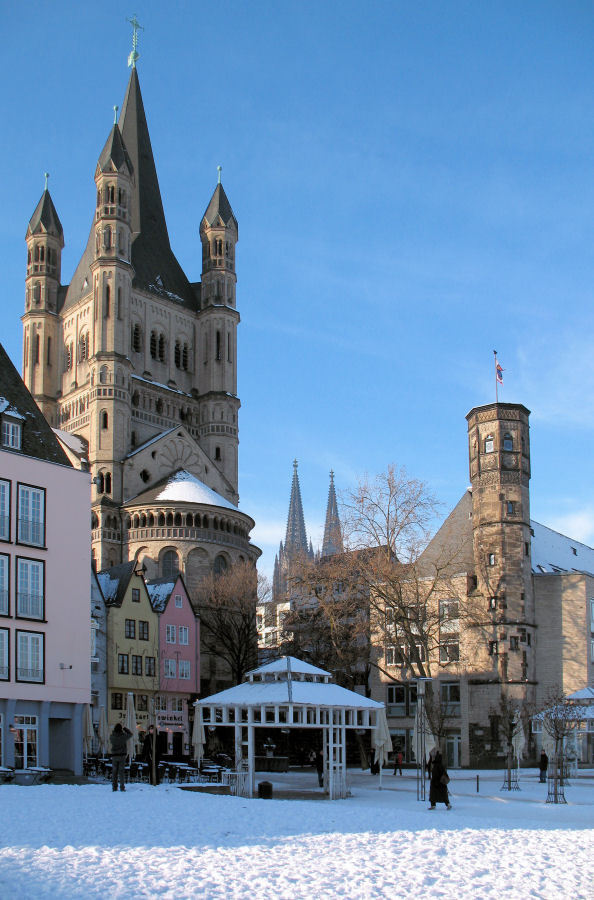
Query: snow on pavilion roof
[[298, 667]]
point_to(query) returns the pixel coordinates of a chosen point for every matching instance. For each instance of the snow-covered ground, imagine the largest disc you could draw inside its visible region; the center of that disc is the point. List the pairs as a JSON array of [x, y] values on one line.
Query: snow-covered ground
[[66, 842]]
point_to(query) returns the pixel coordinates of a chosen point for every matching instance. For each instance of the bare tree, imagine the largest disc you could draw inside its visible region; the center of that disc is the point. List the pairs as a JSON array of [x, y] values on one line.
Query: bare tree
[[227, 607], [559, 718]]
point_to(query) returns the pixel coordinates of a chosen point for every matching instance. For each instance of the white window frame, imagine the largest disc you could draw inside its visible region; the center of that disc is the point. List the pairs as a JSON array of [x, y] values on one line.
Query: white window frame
[[11, 434], [183, 634], [444, 654], [31, 515], [24, 725], [4, 584], [170, 634], [179, 601], [4, 510], [169, 668], [4, 657], [30, 650], [184, 669], [94, 630], [30, 588]]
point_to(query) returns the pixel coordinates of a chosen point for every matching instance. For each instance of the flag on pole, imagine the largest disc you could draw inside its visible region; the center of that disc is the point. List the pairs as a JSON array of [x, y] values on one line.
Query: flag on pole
[[499, 373]]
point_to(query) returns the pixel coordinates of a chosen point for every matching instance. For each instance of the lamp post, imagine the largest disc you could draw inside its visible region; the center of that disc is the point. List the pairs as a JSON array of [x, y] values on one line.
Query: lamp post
[[420, 748]]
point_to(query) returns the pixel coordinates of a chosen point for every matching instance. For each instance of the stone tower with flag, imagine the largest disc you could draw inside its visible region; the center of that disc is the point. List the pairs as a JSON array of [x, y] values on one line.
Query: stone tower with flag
[[135, 365]]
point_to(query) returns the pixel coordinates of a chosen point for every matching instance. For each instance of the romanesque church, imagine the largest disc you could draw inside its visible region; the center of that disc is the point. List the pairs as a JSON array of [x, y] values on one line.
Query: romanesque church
[[135, 366]]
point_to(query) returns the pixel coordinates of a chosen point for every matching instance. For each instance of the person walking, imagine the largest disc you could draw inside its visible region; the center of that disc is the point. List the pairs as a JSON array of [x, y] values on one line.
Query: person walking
[[543, 765], [438, 788], [398, 762], [119, 751], [147, 752]]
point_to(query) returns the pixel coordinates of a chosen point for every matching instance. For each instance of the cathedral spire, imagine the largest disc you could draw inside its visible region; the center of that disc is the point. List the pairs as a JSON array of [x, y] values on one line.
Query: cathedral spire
[[332, 532], [296, 538]]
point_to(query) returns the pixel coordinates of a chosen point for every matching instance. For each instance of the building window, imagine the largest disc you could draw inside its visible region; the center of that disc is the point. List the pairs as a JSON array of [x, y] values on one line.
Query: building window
[[83, 347], [170, 632], [30, 588], [508, 442], [130, 629], [185, 358], [136, 664], [449, 652], [169, 668], [4, 654], [492, 602], [220, 564], [161, 348], [179, 604], [123, 664], [449, 610], [149, 666], [184, 669], [170, 564], [11, 434], [153, 345], [117, 700], [450, 697], [177, 355], [489, 444], [161, 704], [4, 585], [31, 515], [135, 595], [25, 741], [396, 697], [136, 338], [493, 648], [511, 507], [4, 510], [491, 559], [104, 420], [142, 702], [143, 631], [184, 634], [514, 642], [30, 656]]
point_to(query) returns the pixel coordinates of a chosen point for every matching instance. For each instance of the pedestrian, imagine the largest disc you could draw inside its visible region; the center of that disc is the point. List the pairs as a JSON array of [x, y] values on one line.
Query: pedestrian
[[119, 751], [147, 754], [543, 765], [320, 767], [398, 762], [438, 788]]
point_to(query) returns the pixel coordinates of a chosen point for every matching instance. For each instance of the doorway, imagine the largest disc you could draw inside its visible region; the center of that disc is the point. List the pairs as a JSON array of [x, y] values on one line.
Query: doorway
[[453, 750]]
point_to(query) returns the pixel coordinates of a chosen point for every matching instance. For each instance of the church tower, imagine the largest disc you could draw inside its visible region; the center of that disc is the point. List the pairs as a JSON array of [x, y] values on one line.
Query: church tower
[[295, 545], [332, 543], [499, 454], [217, 375], [41, 324]]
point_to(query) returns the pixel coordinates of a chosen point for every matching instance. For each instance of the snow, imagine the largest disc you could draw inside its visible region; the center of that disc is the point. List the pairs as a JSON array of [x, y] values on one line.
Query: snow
[[65, 842], [309, 693], [187, 488], [298, 667], [552, 552], [160, 593]]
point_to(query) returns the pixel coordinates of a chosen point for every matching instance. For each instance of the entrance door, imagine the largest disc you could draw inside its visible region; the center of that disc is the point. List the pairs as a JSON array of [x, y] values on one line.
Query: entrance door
[[178, 745], [453, 750]]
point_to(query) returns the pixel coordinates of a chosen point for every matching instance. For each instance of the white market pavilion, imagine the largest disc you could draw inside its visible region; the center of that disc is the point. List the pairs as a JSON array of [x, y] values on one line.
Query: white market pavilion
[[290, 693]]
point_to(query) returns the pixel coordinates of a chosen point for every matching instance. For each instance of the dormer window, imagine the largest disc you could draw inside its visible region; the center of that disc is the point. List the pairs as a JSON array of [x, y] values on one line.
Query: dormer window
[[11, 433]]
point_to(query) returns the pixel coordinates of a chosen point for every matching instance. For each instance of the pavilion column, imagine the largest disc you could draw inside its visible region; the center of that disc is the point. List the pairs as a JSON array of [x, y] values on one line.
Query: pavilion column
[[251, 786]]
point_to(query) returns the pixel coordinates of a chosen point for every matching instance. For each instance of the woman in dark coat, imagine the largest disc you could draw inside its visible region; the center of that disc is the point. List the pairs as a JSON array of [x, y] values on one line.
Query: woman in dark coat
[[438, 792]]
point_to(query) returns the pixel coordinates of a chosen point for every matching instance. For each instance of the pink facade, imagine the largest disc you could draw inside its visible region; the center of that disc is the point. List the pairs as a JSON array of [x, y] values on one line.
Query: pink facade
[[179, 661]]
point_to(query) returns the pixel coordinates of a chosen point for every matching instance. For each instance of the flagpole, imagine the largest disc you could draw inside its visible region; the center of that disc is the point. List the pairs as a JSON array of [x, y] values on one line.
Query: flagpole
[[496, 392]]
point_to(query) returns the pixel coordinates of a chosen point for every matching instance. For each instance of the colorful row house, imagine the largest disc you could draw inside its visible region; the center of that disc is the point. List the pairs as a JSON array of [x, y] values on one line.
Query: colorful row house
[[152, 652]]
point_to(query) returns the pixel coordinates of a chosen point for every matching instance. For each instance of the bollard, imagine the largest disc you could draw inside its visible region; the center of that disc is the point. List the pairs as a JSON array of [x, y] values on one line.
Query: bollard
[[477, 784]]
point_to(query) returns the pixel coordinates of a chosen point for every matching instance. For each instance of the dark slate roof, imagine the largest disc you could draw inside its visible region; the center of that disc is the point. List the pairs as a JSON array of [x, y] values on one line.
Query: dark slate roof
[[115, 152], [38, 439], [114, 582], [219, 206], [45, 218], [155, 265]]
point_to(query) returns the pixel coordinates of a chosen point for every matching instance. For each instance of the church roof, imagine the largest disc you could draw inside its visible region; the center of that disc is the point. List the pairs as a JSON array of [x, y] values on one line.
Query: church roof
[[45, 218], [332, 543], [115, 152], [155, 266], [182, 487], [219, 208], [37, 438], [296, 538]]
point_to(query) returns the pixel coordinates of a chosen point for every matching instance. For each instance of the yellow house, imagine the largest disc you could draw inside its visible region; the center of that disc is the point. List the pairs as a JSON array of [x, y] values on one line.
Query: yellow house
[[132, 644]]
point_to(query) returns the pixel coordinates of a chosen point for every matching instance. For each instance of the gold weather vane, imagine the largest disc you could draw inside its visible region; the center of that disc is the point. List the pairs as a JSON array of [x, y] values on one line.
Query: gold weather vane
[[135, 27]]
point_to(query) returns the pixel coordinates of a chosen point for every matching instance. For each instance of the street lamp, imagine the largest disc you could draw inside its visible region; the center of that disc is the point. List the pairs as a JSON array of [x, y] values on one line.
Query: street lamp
[[420, 748]]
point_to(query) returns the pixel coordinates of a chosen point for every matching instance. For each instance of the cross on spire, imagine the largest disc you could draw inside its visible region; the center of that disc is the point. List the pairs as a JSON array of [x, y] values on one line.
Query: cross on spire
[[136, 26]]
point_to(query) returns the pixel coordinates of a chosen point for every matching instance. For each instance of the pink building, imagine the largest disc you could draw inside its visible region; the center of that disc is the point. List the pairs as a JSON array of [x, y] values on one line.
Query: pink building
[[179, 663], [44, 587]]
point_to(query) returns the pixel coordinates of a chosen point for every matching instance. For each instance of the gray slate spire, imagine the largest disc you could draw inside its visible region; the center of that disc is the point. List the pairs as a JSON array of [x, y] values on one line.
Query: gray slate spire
[[296, 538], [45, 218], [332, 531]]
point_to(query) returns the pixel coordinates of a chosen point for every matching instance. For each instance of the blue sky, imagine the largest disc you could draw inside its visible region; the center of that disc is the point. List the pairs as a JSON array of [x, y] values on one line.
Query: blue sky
[[414, 185]]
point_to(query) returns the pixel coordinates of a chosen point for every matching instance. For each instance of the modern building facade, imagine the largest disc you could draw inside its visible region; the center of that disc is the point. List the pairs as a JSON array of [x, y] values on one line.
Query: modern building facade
[[45, 634]]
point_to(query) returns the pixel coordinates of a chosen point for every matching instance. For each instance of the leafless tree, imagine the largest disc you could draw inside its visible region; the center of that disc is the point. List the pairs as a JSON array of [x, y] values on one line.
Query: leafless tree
[[227, 607], [560, 717]]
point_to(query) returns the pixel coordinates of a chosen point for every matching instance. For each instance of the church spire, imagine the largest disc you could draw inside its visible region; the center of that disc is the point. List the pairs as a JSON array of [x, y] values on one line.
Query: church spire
[[296, 538], [332, 532]]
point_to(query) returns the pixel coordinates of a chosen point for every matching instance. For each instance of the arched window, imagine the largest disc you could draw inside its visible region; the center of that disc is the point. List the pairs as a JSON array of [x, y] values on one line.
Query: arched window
[[169, 519], [508, 441], [177, 520], [162, 348], [83, 347], [107, 301], [177, 356], [161, 519], [119, 309], [151, 520], [217, 453], [185, 357], [218, 350], [104, 420], [111, 194], [103, 375], [169, 564], [136, 338], [205, 522], [37, 293], [36, 350], [220, 564], [189, 520], [108, 482], [107, 237], [153, 344], [100, 483]]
